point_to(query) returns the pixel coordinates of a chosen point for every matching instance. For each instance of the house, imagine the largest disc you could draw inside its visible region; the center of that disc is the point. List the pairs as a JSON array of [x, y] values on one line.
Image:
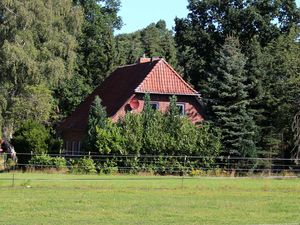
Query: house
[[124, 90]]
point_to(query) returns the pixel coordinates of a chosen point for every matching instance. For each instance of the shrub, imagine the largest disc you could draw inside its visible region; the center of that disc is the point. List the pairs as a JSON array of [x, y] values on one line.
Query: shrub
[[110, 139], [108, 167], [30, 137], [41, 161], [83, 166], [59, 163], [132, 131], [45, 161]]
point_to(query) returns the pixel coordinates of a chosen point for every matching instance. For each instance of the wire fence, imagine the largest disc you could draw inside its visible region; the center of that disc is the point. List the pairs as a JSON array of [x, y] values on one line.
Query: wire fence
[[181, 165]]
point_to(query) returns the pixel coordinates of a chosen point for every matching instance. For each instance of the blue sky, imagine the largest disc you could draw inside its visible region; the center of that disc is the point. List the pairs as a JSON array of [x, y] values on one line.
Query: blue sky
[[137, 14]]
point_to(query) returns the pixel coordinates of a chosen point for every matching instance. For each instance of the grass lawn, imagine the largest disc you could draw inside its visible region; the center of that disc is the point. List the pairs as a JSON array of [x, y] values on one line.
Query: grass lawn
[[85, 199]]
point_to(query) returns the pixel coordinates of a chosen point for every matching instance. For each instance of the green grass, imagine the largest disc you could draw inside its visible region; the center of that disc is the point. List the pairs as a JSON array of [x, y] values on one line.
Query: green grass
[[61, 199]]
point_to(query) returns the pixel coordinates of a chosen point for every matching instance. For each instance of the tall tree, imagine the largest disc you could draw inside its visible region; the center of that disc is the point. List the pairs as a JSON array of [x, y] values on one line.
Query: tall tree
[[154, 40], [282, 85], [37, 49], [229, 95], [209, 22], [97, 51], [97, 118]]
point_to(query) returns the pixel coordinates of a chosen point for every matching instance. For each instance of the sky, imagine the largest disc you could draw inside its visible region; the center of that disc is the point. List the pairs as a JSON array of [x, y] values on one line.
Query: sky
[[137, 14]]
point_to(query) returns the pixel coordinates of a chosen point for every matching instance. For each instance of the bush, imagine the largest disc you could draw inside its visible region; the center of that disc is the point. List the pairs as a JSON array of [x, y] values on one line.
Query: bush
[[108, 167], [59, 163], [110, 139], [45, 161], [30, 137], [83, 166], [155, 133], [41, 161]]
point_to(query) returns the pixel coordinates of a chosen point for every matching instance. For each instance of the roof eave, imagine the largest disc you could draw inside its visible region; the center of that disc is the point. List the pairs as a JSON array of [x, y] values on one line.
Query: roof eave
[[159, 93]]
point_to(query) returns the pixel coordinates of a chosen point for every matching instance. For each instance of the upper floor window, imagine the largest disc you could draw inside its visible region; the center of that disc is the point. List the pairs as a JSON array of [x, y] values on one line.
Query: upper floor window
[[154, 105], [181, 108]]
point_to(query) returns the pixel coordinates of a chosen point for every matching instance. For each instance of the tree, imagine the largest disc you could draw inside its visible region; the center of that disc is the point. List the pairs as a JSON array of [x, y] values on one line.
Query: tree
[[281, 83], [30, 137], [97, 48], [35, 103], [97, 119], [209, 22], [37, 48], [70, 93], [230, 101], [154, 40]]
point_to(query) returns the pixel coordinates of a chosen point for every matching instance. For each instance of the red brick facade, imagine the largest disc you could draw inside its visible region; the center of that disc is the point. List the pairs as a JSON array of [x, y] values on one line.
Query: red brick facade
[[192, 108]]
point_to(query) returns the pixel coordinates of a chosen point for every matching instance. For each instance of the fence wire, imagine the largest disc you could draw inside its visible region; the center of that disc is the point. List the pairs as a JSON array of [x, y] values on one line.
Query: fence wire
[[155, 164]]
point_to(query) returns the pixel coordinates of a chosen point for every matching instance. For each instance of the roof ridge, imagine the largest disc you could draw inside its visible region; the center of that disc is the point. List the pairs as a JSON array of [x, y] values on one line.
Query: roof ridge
[[156, 63], [127, 65], [180, 77], [162, 60]]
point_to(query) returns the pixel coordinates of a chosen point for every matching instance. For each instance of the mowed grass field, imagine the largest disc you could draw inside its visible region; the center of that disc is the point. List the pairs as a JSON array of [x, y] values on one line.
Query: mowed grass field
[[94, 199]]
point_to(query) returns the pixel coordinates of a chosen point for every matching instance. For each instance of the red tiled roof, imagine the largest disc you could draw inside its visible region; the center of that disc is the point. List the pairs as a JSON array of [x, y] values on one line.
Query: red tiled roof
[[148, 77], [163, 79]]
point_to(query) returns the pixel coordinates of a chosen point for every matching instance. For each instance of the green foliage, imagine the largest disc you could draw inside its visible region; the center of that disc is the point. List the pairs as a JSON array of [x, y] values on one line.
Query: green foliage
[[269, 35], [110, 139], [31, 137], [154, 40], [282, 94], [132, 132], [209, 143], [70, 93], [83, 166], [37, 51], [209, 22], [97, 48], [108, 167], [45, 161], [155, 133], [228, 92], [97, 118], [35, 103], [59, 162]]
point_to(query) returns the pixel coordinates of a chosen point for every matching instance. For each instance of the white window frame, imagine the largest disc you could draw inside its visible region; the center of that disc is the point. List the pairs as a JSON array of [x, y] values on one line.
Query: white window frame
[[181, 104]]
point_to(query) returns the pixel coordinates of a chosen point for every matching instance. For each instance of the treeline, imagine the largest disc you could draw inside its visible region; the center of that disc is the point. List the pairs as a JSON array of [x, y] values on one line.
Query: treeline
[[242, 56]]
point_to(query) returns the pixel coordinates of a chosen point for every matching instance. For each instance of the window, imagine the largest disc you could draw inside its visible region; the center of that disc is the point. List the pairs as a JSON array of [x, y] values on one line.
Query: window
[[74, 148], [68, 148], [181, 108], [154, 105], [79, 146]]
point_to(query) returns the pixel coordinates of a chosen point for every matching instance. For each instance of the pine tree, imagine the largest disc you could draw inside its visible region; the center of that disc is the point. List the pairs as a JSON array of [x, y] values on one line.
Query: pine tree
[[230, 102], [154, 40], [97, 118]]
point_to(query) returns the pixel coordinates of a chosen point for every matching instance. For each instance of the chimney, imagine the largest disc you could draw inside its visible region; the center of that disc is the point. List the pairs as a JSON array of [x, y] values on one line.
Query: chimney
[[144, 59]]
